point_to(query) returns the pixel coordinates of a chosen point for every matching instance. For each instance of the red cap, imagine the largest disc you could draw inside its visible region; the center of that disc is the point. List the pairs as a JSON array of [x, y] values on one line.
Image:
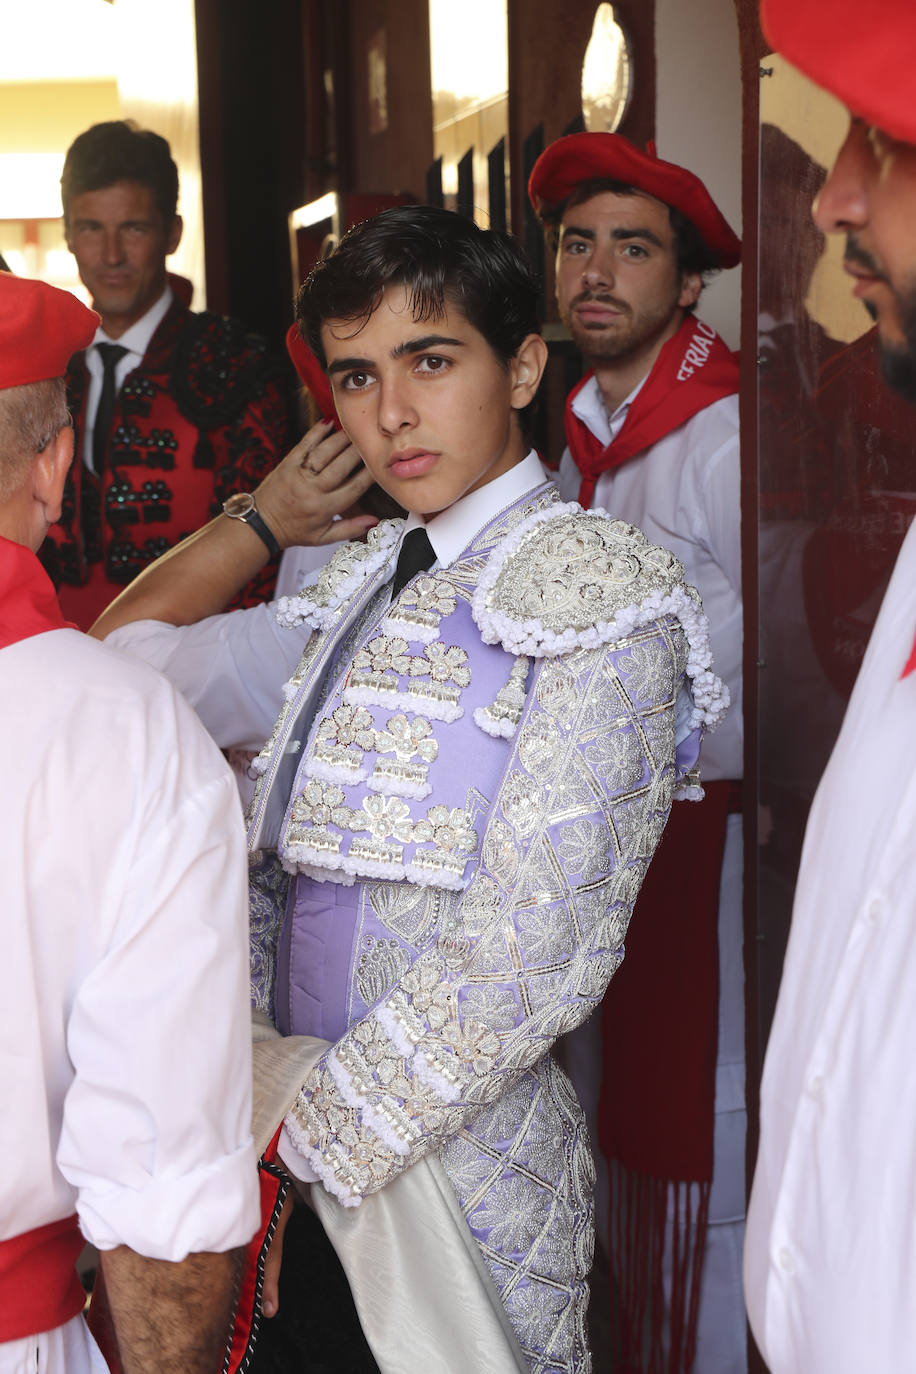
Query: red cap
[[40, 330], [862, 54], [589, 157], [311, 373]]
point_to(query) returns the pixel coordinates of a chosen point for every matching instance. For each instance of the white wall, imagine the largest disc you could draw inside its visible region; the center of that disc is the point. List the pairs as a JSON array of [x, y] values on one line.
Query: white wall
[[698, 121]]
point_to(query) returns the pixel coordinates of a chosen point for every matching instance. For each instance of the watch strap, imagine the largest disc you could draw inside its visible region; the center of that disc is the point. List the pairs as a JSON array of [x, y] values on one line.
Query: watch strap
[[263, 531]]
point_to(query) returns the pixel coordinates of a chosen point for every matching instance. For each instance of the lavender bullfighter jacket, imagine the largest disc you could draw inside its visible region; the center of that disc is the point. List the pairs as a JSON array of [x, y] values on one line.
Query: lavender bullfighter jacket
[[473, 780]]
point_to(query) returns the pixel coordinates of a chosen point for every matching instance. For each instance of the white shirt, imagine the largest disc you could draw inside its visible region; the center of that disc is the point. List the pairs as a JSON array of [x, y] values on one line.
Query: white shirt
[[684, 493], [136, 340], [124, 1026], [232, 667], [830, 1260]]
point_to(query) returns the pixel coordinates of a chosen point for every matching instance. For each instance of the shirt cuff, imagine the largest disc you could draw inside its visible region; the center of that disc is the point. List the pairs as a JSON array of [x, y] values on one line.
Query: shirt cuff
[[215, 1208]]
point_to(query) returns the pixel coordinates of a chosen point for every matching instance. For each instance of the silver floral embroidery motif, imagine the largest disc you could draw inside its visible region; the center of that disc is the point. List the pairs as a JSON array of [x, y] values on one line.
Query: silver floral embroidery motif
[[586, 848], [384, 654], [384, 817], [616, 759], [500, 853], [539, 747], [481, 903], [522, 802], [647, 670], [379, 966], [442, 664], [448, 828], [345, 727], [407, 910]]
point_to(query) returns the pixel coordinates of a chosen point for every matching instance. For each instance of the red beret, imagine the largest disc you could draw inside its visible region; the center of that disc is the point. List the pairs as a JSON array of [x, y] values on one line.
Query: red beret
[[40, 330], [590, 157], [862, 54], [311, 373]]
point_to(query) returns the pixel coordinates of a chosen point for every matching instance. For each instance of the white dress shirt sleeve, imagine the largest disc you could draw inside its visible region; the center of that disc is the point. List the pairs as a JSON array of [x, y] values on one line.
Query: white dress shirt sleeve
[[231, 668]]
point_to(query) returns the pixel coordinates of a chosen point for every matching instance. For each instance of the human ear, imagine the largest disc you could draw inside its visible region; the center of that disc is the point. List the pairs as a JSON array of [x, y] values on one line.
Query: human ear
[[526, 369], [49, 473], [691, 286], [174, 234]]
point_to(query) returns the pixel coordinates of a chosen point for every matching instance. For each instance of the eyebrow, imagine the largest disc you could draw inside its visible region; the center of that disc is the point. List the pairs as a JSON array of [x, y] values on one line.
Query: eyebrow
[[618, 235], [408, 346]]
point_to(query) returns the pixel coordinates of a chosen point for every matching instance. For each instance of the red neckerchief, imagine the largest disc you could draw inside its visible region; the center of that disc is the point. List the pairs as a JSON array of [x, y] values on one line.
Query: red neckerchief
[[693, 369], [28, 601]]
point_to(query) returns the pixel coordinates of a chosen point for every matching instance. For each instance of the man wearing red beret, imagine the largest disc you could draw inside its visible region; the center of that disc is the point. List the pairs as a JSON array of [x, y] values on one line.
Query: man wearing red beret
[[830, 1260], [175, 411], [123, 1020], [652, 433]]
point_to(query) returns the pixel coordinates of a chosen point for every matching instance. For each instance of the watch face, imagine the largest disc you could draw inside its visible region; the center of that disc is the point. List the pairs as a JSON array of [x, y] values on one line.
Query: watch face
[[240, 504]]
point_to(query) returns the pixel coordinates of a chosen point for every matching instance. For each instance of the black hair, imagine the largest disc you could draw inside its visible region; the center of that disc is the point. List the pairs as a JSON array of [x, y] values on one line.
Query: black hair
[[441, 258], [119, 150], [692, 254]]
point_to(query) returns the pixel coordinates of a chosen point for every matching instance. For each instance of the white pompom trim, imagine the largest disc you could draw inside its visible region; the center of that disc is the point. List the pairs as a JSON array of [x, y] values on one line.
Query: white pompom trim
[[395, 1031], [335, 772], [399, 787], [304, 610], [328, 1178], [423, 1069], [377, 1123], [409, 630], [499, 729]]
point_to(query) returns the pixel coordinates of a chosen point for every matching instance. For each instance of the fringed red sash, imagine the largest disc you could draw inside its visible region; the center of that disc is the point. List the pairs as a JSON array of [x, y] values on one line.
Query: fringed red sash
[[693, 369], [657, 1108], [28, 602], [39, 1286], [275, 1184]]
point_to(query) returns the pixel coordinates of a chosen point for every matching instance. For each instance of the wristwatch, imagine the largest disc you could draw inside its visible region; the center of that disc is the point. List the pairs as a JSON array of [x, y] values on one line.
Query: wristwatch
[[241, 506]]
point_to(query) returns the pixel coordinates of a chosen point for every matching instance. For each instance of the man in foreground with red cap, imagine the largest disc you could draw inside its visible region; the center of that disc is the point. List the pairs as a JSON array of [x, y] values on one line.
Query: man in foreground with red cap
[[123, 1023], [830, 1261], [652, 431]]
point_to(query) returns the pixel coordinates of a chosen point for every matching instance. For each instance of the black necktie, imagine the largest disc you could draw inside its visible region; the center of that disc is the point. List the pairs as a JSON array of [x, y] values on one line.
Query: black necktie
[[111, 354], [416, 556]]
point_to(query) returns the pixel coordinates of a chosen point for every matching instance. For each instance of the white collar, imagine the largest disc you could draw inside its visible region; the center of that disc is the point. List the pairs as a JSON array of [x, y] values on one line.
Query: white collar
[[452, 530], [136, 339], [589, 406]]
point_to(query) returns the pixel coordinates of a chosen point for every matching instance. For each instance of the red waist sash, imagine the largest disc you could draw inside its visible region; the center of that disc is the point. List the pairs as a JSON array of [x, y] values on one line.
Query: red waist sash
[[39, 1285]]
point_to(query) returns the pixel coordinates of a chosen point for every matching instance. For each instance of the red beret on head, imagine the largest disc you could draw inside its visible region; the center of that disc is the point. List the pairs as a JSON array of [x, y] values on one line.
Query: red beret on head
[[311, 373], [861, 54], [40, 330], [591, 157]]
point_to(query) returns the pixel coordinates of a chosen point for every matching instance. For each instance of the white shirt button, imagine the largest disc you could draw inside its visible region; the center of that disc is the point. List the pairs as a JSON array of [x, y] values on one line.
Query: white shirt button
[[786, 1260], [874, 909], [816, 1085]]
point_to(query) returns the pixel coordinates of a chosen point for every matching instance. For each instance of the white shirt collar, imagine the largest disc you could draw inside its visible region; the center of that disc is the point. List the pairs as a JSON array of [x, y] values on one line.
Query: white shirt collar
[[452, 530], [589, 406], [136, 339]]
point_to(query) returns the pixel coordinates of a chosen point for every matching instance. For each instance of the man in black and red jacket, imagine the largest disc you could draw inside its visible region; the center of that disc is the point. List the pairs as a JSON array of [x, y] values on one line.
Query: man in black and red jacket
[[175, 411]]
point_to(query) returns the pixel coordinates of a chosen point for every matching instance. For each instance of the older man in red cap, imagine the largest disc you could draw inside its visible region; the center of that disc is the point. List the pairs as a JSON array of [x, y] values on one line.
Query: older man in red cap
[[830, 1261], [123, 1022], [652, 434]]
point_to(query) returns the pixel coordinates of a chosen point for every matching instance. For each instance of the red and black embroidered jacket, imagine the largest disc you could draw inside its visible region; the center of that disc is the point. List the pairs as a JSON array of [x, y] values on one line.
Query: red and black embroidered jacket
[[205, 414]]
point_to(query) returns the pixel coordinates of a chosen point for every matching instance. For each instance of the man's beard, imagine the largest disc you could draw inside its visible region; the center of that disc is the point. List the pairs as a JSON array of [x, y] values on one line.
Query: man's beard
[[636, 328], [898, 361]]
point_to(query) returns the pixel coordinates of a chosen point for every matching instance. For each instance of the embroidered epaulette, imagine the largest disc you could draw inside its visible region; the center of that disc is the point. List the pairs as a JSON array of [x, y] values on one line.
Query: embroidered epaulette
[[568, 579], [344, 573]]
